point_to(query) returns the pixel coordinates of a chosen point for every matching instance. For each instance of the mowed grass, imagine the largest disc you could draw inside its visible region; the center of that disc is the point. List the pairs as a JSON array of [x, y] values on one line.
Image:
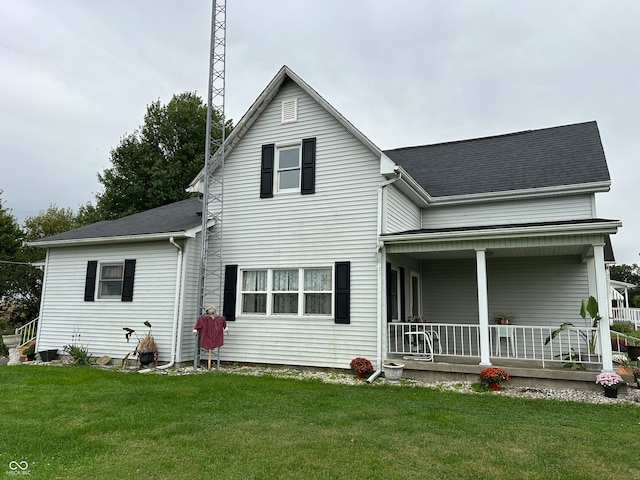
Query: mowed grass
[[86, 423]]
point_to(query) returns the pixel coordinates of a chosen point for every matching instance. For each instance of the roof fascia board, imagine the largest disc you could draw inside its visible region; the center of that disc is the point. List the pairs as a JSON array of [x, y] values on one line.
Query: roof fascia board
[[593, 187], [116, 239], [610, 227], [412, 189]]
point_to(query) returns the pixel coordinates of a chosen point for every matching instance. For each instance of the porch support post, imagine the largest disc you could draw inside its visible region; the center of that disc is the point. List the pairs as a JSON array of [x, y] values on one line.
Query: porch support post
[[483, 307], [603, 308]]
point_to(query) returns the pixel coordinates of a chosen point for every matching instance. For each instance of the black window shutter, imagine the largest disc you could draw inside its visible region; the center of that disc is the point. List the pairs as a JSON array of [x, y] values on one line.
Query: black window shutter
[[389, 297], [403, 307], [90, 281], [127, 283], [308, 166], [266, 171], [343, 292], [229, 302]]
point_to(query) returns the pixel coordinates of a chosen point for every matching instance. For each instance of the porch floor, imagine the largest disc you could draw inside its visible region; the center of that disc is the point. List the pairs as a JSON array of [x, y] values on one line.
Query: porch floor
[[523, 373]]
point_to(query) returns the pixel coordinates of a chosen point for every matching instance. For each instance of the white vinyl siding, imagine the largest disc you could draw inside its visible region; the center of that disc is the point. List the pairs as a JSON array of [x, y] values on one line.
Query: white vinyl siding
[[401, 214], [337, 223], [575, 207], [537, 290], [189, 308], [100, 323]]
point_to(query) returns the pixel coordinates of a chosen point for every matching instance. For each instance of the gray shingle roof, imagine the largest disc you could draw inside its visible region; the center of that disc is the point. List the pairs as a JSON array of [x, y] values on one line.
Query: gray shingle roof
[[175, 217], [550, 157]]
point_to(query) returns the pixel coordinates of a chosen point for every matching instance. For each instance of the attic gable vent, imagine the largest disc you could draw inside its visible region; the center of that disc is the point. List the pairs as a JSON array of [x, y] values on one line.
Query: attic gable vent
[[289, 111]]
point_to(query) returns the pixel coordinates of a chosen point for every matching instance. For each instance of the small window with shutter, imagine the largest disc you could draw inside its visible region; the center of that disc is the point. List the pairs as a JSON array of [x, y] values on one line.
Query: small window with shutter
[[289, 111]]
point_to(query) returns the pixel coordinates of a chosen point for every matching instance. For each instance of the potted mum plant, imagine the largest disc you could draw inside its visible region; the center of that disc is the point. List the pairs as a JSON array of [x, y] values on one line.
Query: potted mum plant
[[491, 377], [610, 381], [636, 375], [361, 366], [146, 349]]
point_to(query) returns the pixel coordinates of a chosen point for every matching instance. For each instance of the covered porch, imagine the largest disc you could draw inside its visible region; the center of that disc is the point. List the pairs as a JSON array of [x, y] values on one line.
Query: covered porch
[[444, 292]]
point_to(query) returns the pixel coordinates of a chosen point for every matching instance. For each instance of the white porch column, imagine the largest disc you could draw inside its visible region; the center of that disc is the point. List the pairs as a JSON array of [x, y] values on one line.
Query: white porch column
[[603, 307], [483, 307]]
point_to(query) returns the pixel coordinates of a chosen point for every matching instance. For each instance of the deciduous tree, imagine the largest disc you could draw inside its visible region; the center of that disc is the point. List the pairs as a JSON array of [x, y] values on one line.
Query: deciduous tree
[[152, 166]]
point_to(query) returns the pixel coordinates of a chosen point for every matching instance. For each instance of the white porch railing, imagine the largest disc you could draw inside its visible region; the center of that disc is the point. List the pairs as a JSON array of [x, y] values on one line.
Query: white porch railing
[[27, 332], [631, 315], [519, 342]]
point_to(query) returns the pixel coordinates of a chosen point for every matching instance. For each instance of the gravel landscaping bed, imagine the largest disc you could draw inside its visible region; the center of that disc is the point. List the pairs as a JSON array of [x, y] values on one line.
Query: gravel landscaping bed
[[630, 396]]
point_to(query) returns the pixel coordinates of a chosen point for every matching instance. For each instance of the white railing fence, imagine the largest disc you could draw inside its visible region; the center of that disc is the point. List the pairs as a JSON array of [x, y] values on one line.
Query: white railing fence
[[631, 315], [520, 342], [27, 332]]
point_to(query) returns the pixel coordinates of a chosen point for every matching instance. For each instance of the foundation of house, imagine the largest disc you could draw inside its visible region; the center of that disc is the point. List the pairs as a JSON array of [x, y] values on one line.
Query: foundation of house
[[522, 373]]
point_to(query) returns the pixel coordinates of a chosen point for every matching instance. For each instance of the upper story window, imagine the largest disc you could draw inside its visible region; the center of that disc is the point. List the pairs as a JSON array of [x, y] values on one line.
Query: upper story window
[[110, 280], [289, 111], [288, 168]]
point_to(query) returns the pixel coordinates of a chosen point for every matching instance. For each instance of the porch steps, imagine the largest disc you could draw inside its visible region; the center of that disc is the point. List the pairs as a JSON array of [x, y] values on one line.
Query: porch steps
[[27, 332], [522, 375]]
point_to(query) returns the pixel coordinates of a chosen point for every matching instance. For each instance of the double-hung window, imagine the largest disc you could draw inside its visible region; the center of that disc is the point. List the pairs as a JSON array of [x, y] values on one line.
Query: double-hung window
[[317, 291], [254, 291], [285, 291], [110, 280], [290, 292], [288, 168]]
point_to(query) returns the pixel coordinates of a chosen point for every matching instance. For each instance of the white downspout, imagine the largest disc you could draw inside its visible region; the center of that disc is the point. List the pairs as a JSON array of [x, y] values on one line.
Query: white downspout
[[177, 319], [381, 259]]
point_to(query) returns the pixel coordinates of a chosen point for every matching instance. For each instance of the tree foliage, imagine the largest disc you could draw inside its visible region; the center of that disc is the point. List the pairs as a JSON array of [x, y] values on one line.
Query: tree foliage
[[628, 274], [13, 271], [49, 222], [152, 166], [20, 279]]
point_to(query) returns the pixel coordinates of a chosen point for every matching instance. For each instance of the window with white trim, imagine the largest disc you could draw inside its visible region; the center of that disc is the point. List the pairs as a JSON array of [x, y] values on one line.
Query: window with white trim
[[288, 292], [288, 168], [110, 280], [254, 291]]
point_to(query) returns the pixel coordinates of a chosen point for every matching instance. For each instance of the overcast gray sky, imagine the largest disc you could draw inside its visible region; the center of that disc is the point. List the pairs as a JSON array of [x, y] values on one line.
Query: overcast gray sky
[[76, 75]]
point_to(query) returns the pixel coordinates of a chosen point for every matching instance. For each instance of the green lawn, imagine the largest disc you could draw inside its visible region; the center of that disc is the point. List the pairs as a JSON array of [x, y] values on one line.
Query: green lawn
[[86, 423]]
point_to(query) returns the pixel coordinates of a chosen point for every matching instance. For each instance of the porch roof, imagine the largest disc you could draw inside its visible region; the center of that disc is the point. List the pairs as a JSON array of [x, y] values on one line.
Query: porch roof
[[570, 237], [602, 222]]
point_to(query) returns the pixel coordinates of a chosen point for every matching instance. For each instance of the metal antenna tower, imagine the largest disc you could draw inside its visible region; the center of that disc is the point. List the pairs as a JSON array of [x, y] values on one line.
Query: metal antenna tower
[[211, 271]]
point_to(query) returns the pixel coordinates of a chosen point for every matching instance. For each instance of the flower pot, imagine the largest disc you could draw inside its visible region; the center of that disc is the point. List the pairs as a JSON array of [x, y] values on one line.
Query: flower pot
[[624, 370], [361, 374], [11, 341], [146, 358], [48, 355], [392, 371], [633, 351], [611, 392], [494, 386]]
